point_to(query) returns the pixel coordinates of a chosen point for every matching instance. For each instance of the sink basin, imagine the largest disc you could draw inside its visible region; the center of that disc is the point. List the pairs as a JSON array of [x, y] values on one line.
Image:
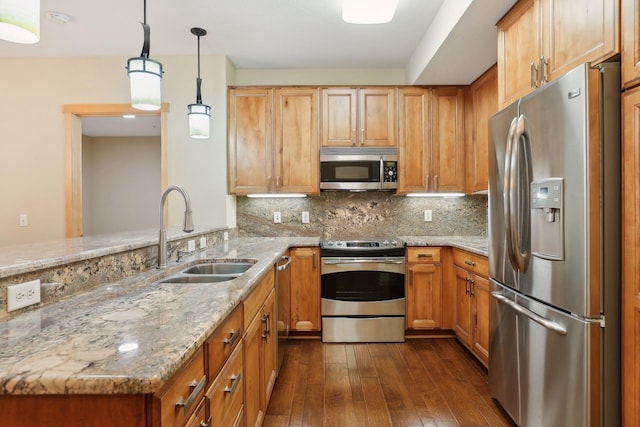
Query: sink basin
[[201, 278], [229, 268]]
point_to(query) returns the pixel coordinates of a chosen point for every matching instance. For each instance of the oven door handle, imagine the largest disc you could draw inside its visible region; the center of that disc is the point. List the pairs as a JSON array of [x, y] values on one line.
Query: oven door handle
[[361, 261]]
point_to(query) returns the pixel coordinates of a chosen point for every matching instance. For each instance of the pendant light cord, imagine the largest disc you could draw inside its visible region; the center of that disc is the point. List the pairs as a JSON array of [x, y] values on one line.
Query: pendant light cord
[[198, 32]]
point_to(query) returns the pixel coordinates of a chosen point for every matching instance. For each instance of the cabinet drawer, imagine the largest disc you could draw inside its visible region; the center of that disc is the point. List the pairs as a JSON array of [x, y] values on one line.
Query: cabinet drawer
[[226, 393], [423, 254], [179, 398], [257, 297], [471, 262], [222, 342], [199, 417]]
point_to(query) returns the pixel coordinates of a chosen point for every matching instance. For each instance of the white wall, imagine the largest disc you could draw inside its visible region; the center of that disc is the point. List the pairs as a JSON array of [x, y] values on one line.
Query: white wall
[[32, 146], [120, 184]]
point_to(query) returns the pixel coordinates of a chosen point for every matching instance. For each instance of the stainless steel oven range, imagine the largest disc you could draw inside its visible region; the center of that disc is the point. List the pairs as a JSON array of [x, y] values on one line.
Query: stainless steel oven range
[[362, 287]]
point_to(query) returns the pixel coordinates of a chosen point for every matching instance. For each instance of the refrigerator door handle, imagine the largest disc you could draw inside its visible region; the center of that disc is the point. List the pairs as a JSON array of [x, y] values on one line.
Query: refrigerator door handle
[[506, 193], [549, 324], [519, 258]]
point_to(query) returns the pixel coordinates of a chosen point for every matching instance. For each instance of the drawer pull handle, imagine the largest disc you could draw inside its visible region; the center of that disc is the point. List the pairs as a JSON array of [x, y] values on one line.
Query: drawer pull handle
[[205, 423], [236, 380], [235, 334], [425, 255], [471, 263], [197, 387]]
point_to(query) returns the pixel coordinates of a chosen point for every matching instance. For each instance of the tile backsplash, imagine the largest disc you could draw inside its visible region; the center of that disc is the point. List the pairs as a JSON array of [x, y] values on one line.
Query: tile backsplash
[[367, 214]]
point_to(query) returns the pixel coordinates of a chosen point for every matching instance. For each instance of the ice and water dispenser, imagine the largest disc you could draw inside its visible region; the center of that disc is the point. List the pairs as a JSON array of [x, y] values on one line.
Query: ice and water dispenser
[[547, 219]]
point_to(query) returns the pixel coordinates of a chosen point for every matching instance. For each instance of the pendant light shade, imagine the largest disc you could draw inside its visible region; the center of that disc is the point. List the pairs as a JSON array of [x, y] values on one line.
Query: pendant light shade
[[199, 113], [145, 75], [20, 21]]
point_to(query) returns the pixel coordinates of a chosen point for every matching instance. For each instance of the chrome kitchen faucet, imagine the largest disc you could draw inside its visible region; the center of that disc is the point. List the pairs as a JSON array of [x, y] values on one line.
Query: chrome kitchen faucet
[[187, 225]]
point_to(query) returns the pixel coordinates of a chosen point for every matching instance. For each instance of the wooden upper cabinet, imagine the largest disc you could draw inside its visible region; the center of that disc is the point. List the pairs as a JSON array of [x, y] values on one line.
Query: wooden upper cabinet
[[273, 140], [483, 104], [518, 51], [539, 40], [250, 146], [364, 117], [447, 139], [431, 139], [630, 19], [296, 140], [414, 142]]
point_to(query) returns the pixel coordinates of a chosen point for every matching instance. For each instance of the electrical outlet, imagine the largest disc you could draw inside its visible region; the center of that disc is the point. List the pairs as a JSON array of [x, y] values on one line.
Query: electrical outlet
[[23, 295], [427, 215], [305, 217], [203, 242], [277, 219], [191, 245]]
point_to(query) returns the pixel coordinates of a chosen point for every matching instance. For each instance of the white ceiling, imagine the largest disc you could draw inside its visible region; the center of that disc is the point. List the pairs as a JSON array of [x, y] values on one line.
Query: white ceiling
[[435, 41]]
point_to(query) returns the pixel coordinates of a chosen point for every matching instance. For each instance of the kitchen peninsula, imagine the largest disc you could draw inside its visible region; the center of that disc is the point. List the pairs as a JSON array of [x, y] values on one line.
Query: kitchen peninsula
[[126, 338]]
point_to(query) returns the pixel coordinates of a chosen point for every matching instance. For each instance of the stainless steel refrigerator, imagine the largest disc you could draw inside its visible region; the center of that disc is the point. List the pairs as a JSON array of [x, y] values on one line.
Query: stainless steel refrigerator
[[554, 252]]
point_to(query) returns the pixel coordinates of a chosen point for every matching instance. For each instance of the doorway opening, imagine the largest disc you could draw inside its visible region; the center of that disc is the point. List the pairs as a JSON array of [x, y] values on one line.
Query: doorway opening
[[74, 115]]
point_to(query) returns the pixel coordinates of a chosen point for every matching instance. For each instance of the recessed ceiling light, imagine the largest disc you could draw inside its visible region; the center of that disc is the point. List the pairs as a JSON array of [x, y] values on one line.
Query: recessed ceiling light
[[368, 11]]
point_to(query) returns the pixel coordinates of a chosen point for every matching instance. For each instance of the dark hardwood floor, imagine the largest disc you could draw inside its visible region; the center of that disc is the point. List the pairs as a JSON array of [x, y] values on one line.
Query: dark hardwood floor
[[421, 382]]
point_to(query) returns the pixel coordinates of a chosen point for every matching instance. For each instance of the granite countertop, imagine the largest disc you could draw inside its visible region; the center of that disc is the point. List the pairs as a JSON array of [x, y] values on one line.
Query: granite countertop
[[19, 259], [129, 336], [475, 244]]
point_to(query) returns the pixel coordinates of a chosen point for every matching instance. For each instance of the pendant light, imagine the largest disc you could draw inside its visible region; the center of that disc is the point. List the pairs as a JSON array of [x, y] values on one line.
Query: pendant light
[[20, 21], [145, 75], [199, 113]]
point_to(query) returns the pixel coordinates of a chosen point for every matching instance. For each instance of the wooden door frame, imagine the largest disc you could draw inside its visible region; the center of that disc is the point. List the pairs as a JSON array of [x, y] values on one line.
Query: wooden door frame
[[73, 153]]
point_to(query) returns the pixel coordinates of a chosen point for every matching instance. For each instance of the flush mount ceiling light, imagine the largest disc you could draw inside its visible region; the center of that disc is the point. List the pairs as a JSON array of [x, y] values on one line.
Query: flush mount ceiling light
[[368, 11], [20, 21], [145, 75], [199, 113]]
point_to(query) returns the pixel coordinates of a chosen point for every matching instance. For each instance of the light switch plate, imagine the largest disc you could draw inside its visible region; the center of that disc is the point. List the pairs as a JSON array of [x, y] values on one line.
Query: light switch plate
[[305, 217], [203, 242], [427, 215], [191, 245]]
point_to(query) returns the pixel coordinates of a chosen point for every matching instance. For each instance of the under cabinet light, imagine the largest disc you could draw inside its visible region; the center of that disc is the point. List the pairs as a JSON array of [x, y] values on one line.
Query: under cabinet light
[[435, 195], [276, 195]]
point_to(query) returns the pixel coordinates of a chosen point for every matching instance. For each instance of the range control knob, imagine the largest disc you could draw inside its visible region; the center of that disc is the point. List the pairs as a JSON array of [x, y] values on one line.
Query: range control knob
[[394, 243], [385, 243], [329, 243]]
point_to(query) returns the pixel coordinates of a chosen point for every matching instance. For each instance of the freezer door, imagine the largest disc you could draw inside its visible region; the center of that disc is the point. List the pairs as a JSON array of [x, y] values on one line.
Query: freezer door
[[558, 369], [499, 130]]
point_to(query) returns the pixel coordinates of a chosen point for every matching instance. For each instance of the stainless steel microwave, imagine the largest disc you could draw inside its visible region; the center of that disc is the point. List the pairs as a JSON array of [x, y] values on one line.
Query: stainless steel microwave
[[358, 169]]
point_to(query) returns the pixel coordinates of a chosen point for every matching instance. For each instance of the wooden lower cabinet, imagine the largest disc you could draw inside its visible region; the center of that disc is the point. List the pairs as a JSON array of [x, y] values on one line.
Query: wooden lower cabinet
[[260, 341], [305, 289], [423, 288], [471, 324]]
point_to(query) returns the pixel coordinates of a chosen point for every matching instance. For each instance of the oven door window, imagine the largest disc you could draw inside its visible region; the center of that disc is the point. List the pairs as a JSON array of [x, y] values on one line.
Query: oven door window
[[363, 286]]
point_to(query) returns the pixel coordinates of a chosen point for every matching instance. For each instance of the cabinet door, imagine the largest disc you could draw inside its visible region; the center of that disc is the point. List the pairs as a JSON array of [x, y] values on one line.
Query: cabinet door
[[518, 48], [414, 149], [305, 289], [253, 395], [339, 117], [630, 42], [631, 261], [296, 140], [484, 99], [377, 117], [250, 145], [578, 31], [462, 325], [447, 145], [480, 296], [424, 301], [268, 350]]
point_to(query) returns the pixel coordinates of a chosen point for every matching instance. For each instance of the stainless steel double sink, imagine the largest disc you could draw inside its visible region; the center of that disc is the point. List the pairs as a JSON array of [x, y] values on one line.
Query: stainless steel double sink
[[211, 272]]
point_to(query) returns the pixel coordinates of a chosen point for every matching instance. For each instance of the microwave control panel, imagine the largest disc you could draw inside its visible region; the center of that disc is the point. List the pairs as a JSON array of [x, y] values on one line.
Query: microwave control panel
[[390, 169]]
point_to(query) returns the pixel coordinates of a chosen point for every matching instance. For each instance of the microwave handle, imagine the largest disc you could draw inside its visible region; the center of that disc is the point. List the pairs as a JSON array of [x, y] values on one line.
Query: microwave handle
[[381, 172]]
